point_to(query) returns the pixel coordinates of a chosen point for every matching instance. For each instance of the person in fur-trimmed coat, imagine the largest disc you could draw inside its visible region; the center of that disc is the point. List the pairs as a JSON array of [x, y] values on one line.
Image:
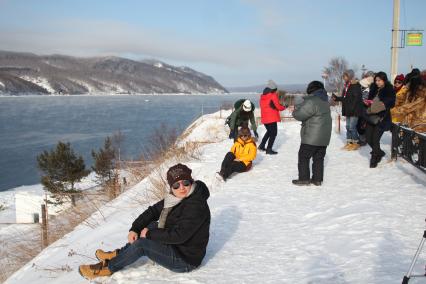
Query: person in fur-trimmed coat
[[174, 232]]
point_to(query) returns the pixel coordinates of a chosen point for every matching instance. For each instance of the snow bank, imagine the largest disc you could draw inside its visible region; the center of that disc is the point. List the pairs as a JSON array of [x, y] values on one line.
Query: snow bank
[[362, 226]]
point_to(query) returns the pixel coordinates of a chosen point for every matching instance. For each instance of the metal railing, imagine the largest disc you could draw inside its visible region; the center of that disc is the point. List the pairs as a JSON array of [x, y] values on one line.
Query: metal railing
[[410, 145]]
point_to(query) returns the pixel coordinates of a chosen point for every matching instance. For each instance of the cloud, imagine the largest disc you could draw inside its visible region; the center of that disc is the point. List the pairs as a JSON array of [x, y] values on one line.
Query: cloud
[[93, 38]]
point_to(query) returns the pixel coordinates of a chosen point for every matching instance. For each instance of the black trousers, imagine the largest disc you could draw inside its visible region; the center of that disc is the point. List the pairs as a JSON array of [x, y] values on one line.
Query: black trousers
[[230, 166], [306, 152], [373, 134], [271, 134]]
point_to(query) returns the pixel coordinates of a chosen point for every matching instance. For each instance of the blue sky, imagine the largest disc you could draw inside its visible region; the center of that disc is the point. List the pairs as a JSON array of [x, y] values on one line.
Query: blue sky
[[238, 42]]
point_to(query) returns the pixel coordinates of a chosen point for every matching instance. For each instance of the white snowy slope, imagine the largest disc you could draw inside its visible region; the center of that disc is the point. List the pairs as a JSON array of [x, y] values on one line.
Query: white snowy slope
[[362, 226]]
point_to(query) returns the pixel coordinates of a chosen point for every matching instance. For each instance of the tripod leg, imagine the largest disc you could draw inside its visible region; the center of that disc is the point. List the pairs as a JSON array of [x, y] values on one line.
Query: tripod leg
[[413, 262]]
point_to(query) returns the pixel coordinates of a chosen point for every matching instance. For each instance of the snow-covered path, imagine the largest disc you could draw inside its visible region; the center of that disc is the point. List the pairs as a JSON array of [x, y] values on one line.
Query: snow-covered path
[[362, 226]]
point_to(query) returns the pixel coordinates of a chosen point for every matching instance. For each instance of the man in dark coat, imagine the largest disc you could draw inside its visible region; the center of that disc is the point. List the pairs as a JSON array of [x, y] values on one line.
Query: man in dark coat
[[178, 241], [351, 108], [314, 113]]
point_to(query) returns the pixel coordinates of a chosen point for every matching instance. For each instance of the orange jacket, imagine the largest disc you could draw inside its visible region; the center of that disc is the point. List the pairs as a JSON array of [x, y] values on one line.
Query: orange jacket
[[245, 151]]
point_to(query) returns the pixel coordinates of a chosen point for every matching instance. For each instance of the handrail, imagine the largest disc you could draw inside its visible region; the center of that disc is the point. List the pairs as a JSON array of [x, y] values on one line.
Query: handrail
[[410, 145]]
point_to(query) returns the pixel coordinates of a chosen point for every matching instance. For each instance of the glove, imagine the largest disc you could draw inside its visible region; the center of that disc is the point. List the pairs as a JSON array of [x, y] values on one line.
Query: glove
[[286, 105], [231, 135], [333, 96], [255, 134]]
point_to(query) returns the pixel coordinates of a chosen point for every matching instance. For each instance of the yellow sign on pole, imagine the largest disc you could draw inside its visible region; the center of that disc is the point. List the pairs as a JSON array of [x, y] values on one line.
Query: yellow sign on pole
[[414, 39]]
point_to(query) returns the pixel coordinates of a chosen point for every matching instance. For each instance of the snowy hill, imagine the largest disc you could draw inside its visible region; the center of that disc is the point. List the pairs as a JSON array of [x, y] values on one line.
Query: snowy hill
[[362, 226], [22, 73]]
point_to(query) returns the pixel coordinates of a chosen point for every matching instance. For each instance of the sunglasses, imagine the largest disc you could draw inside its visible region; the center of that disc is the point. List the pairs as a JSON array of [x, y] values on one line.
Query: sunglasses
[[177, 184], [398, 82], [244, 135]]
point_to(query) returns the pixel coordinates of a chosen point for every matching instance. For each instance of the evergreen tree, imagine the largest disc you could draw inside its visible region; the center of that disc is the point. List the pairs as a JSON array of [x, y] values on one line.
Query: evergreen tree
[[62, 169], [104, 162]]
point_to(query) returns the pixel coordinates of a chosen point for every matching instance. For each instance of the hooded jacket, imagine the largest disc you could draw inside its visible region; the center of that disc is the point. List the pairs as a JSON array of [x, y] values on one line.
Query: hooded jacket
[[314, 113], [245, 151], [351, 99], [186, 228], [270, 108]]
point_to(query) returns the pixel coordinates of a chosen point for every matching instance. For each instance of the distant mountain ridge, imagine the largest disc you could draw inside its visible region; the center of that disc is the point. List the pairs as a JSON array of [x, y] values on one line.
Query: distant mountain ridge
[[25, 73], [291, 88]]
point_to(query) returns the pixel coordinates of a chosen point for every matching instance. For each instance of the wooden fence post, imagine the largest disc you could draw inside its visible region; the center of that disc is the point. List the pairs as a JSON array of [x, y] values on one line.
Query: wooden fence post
[[44, 232], [338, 123]]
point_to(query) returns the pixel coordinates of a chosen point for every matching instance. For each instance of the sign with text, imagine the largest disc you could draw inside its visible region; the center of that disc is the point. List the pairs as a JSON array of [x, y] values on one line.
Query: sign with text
[[414, 39]]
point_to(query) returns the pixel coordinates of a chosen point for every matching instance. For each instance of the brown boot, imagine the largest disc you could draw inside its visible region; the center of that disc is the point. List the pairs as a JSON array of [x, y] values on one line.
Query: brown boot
[[355, 146], [105, 255], [94, 270], [347, 146]]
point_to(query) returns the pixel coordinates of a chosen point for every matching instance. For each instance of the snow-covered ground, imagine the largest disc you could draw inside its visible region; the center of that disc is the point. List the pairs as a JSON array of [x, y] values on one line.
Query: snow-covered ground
[[362, 226]]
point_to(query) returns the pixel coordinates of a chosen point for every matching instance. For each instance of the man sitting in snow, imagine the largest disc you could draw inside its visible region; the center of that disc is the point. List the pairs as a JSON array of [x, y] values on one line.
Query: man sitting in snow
[[178, 241], [242, 153]]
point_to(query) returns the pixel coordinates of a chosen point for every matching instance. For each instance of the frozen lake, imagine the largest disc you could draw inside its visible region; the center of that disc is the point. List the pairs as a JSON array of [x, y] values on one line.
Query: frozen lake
[[31, 124]]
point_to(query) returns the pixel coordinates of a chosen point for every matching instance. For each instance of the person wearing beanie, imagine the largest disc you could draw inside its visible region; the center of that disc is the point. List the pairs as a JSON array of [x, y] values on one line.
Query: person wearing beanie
[[351, 99], [240, 158], [173, 232], [314, 113], [243, 112], [270, 108], [401, 94], [380, 100]]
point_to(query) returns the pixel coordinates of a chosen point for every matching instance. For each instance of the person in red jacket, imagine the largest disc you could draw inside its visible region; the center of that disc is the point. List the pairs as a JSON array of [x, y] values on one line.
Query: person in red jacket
[[270, 108]]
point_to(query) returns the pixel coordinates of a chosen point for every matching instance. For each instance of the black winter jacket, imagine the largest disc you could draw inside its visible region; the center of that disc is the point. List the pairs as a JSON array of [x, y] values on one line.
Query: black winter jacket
[[187, 225], [388, 97], [352, 103]]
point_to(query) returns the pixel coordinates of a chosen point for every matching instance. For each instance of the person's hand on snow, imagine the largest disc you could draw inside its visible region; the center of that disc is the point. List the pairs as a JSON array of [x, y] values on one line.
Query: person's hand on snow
[[143, 233], [131, 237], [255, 134]]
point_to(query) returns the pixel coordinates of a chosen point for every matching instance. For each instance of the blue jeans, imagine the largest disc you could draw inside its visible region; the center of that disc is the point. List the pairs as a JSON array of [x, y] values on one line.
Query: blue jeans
[[351, 131], [162, 254]]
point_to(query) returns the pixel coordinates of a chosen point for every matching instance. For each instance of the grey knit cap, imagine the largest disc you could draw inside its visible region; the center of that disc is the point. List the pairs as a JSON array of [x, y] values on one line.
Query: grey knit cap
[[271, 85]]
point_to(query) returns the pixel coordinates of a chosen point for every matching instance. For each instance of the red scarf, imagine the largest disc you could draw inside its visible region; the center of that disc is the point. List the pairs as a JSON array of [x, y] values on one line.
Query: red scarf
[[346, 88]]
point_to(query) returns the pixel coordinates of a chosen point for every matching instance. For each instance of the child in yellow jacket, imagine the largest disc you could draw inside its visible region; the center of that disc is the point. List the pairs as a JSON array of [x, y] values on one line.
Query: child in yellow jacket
[[242, 153]]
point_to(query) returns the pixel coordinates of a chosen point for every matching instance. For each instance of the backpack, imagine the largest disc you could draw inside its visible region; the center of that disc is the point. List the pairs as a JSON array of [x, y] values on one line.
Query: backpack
[[237, 104]]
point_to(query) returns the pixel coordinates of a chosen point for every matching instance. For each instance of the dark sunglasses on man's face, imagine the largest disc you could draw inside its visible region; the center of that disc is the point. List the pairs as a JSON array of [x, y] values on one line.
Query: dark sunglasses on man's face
[[398, 82], [244, 136], [185, 182]]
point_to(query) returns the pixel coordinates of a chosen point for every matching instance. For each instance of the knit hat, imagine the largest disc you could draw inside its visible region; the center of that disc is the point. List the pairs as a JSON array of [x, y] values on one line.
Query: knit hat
[[178, 172], [247, 105], [244, 131], [271, 85], [366, 82], [313, 86], [350, 73], [400, 78]]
